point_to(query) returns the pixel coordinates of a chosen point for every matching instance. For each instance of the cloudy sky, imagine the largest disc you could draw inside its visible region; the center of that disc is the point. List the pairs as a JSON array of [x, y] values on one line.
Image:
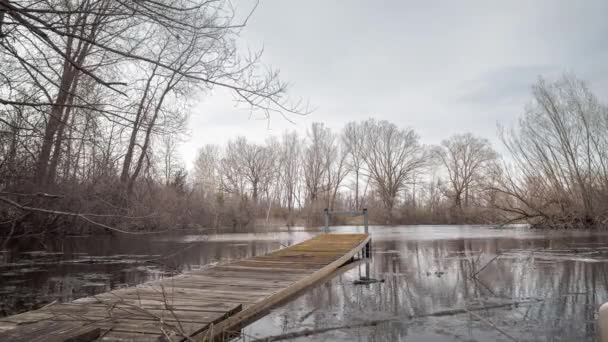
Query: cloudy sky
[[440, 67]]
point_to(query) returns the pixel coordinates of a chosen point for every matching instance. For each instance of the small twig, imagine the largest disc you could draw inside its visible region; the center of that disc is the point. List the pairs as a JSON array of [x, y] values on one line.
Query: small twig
[[486, 265], [182, 331], [488, 322], [308, 332], [36, 194], [179, 330], [104, 334], [166, 334], [49, 304], [172, 254], [78, 215]]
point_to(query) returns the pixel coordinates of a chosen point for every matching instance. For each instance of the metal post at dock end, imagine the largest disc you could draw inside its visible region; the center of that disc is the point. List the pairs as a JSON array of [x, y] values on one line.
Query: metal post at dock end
[[326, 220], [365, 221]]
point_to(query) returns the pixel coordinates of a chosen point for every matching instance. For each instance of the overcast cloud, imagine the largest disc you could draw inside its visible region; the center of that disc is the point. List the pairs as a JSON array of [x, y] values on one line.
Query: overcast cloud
[[440, 67]]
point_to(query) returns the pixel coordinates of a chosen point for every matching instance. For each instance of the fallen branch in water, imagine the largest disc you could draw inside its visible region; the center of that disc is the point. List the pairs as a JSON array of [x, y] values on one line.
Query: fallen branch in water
[[157, 260], [488, 322], [468, 310], [309, 332], [486, 265]]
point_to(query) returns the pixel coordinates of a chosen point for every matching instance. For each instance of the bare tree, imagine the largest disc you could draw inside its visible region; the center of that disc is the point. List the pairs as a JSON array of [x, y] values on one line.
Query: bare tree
[[353, 140], [290, 155], [207, 169], [391, 156], [337, 169], [466, 159], [247, 167], [315, 160], [558, 176], [170, 162]]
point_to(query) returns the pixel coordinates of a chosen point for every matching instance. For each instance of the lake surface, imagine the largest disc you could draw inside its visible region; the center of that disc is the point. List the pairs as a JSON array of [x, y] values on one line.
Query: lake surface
[[535, 285]]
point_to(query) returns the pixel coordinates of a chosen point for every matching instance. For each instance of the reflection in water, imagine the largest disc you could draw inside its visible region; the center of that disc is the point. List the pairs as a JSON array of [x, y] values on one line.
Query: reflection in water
[[559, 281]]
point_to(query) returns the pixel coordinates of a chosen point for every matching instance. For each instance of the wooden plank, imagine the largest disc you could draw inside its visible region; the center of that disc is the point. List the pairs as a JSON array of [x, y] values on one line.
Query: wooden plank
[[236, 287], [187, 293], [49, 331], [268, 274], [94, 314], [119, 336], [184, 305], [26, 317], [215, 281], [280, 265], [235, 293], [147, 327], [192, 307], [133, 312], [278, 271], [261, 274], [210, 279], [232, 281]]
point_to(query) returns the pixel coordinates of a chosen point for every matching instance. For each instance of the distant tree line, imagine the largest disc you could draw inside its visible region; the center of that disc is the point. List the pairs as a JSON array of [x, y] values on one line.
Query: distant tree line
[[370, 164], [95, 95]]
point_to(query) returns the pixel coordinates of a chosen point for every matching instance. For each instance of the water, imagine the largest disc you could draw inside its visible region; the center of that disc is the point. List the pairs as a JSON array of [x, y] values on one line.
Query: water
[[558, 280]]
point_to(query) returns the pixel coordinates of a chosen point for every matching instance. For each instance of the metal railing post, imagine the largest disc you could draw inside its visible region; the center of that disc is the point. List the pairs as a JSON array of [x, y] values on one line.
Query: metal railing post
[[365, 220], [326, 220]]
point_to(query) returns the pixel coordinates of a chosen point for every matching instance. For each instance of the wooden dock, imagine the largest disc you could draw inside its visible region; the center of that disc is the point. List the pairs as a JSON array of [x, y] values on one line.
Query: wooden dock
[[205, 305]]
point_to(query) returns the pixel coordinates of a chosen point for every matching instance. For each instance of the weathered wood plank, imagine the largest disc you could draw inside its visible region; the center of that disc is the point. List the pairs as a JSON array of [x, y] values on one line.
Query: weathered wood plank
[[264, 274], [215, 281], [133, 312], [184, 294], [269, 273], [184, 305], [49, 331], [119, 336], [237, 287]]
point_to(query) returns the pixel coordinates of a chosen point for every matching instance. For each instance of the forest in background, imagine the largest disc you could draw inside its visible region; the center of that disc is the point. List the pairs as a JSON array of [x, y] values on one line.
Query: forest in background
[[95, 94]]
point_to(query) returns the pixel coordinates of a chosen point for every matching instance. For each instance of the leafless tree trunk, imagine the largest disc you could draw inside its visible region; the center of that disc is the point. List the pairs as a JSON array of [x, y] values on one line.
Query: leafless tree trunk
[[467, 160], [291, 155], [353, 139], [249, 164], [391, 156]]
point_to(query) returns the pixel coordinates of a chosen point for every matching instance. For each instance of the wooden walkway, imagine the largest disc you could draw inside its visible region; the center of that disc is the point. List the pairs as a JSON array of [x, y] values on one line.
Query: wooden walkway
[[204, 305]]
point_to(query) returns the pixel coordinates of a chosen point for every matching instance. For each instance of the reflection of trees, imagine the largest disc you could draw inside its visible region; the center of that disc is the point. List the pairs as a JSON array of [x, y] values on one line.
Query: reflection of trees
[[414, 285]]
